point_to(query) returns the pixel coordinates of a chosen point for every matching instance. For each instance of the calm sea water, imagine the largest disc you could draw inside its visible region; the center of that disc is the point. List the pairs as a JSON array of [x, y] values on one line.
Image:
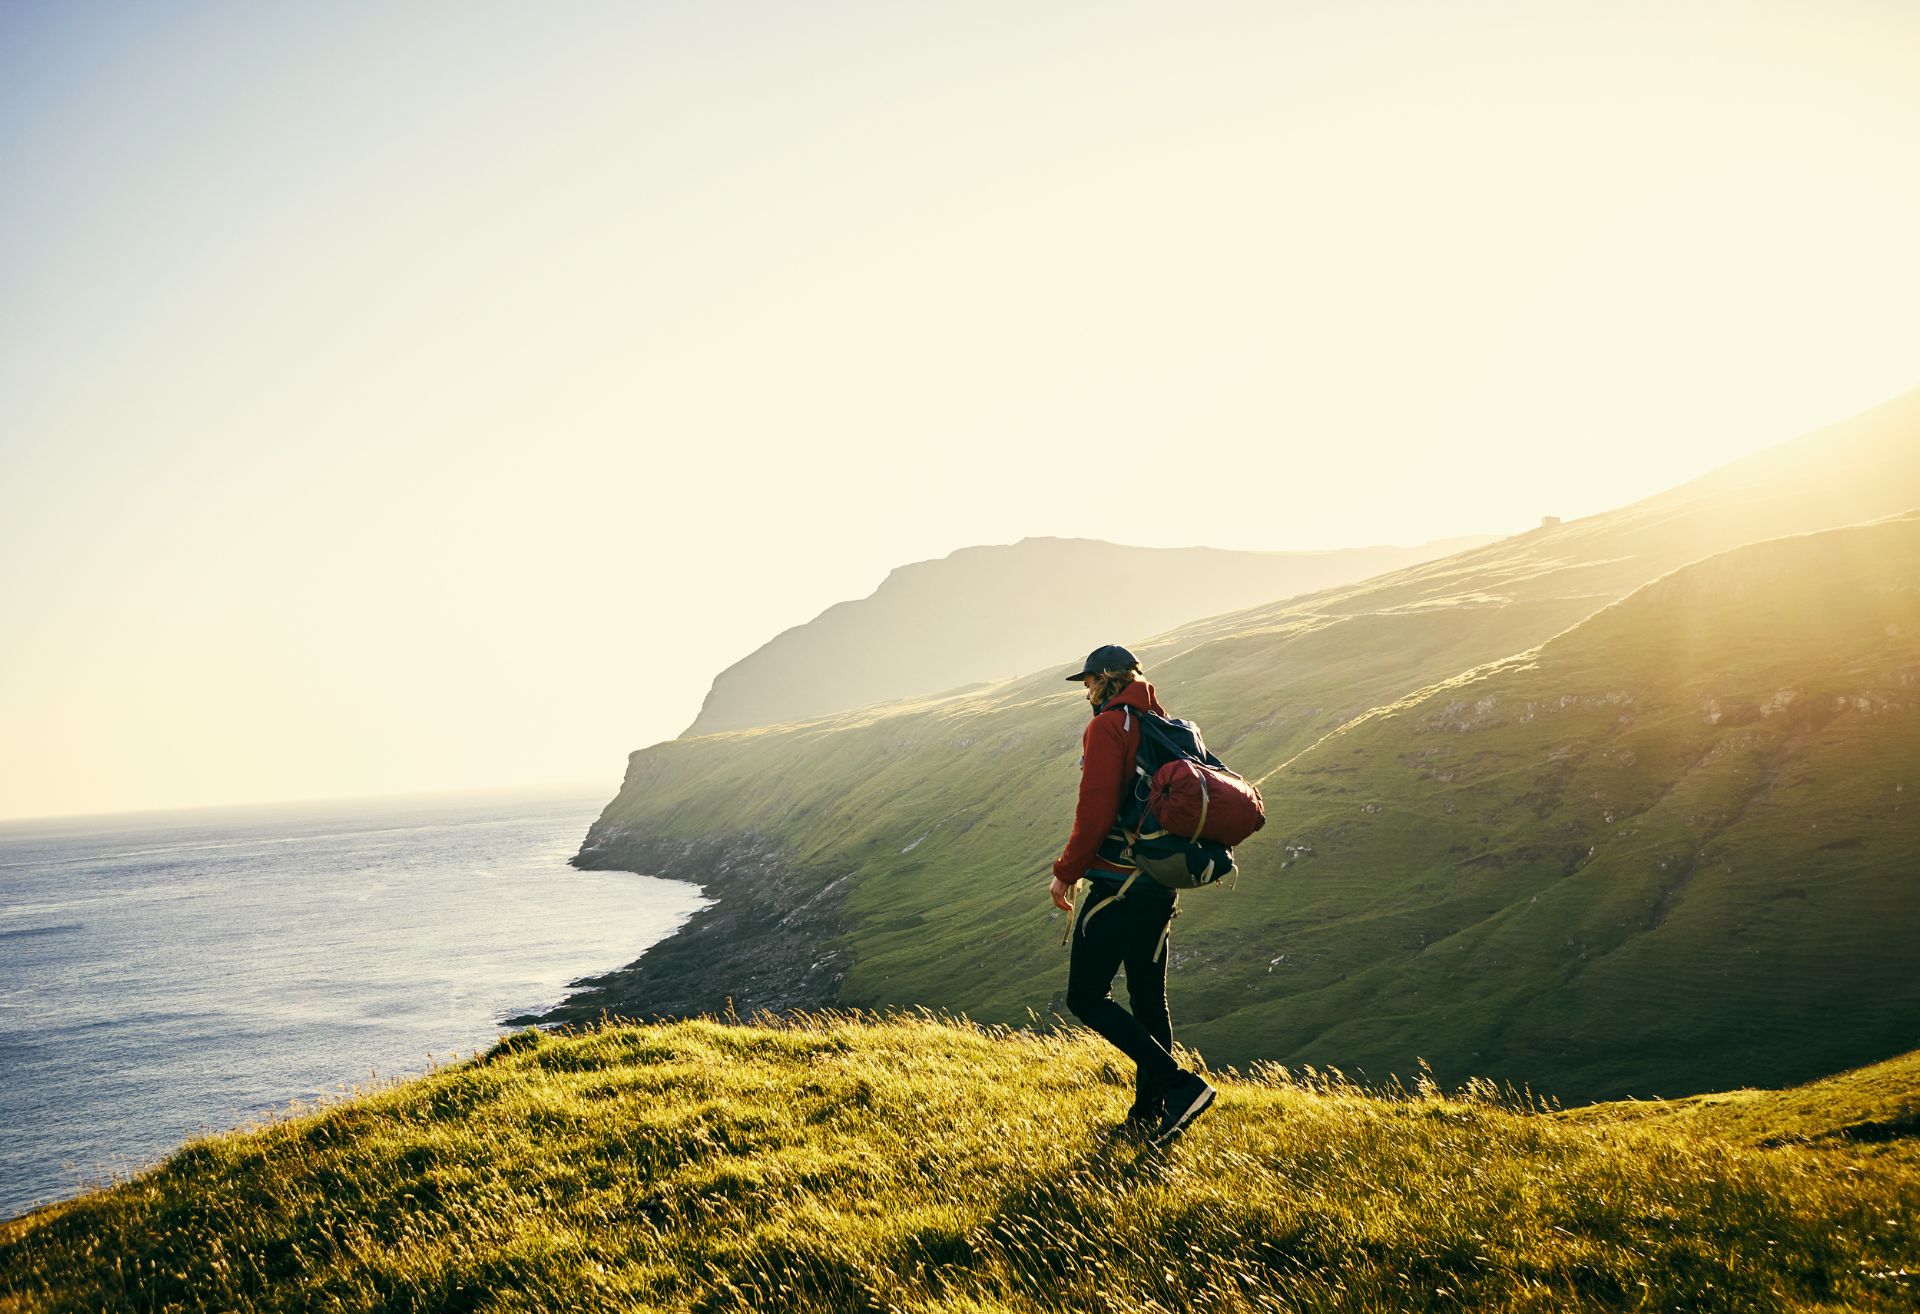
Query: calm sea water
[[170, 974]]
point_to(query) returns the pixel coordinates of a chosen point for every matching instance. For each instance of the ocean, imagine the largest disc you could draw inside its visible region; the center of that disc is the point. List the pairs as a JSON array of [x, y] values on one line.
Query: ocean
[[168, 974]]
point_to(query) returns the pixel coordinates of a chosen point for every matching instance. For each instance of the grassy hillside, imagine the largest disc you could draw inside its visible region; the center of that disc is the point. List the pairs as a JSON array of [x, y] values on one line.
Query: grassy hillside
[[984, 613], [1419, 891], [1872, 1108], [1669, 850], [914, 1165]]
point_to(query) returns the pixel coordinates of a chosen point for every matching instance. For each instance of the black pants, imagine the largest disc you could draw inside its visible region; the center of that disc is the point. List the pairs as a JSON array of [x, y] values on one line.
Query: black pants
[[1129, 932]]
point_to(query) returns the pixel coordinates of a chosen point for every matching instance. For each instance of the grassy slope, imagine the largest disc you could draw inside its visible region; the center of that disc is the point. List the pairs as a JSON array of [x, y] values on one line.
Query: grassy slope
[[908, 1164], [1874, 1106], [938, 819], [1670, 850]]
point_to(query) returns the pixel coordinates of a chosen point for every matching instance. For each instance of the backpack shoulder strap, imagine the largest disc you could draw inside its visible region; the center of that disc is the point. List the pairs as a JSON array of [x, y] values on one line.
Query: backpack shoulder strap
[[1164, 737]]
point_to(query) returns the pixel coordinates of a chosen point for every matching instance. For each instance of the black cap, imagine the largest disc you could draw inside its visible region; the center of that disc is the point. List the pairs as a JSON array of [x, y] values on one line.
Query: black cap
[[1111, 657]]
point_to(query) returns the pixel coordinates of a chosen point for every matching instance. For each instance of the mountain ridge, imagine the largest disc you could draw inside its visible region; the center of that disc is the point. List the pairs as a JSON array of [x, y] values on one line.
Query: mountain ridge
[[989, 611]]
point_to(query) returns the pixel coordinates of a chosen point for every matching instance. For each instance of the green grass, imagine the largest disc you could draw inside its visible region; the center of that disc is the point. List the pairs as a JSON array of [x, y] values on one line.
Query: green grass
[[1874, 1106], [911, 1163]]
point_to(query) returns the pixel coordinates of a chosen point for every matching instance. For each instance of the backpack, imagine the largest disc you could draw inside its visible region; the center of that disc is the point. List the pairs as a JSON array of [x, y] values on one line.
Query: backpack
[[1187, 809]]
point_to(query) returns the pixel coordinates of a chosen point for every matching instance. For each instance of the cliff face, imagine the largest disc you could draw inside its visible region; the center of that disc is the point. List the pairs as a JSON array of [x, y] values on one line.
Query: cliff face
[[985, 613], [767, 942]]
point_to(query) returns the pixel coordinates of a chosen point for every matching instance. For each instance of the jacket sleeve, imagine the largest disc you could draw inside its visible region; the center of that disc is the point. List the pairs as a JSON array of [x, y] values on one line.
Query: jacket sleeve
[[1103, 776]]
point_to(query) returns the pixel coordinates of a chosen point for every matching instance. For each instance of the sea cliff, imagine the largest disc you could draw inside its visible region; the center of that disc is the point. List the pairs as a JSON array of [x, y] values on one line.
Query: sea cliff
[[790, 920]]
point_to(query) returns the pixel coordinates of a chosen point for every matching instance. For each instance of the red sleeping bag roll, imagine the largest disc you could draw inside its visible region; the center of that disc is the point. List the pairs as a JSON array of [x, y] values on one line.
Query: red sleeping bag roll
[[1201, 802]]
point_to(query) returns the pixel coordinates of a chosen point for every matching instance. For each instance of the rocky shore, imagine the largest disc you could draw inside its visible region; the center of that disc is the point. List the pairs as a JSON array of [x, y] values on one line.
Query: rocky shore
[[772, 939]]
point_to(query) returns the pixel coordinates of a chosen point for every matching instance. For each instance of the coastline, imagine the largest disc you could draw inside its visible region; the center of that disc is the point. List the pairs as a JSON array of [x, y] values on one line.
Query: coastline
[[175, 978], [769, 939]]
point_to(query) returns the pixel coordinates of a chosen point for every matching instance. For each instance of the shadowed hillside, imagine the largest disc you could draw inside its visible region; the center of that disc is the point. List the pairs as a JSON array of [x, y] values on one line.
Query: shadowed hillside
[[914, 1165], [985, 613], [897, 855]]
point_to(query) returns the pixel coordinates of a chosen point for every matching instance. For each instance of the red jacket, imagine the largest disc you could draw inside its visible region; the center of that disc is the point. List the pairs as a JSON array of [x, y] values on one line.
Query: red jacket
[[1106, 772]]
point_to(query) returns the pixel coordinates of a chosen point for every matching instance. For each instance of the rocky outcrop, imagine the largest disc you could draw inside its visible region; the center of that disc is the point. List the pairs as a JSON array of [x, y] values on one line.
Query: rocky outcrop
[[771, 940]]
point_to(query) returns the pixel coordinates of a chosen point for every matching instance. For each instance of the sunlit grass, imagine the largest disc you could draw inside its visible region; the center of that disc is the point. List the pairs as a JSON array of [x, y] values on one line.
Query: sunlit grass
[[921, 1164]]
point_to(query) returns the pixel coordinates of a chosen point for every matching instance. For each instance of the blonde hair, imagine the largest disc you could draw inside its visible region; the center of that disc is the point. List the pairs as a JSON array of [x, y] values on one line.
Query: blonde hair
[[1112, 682]]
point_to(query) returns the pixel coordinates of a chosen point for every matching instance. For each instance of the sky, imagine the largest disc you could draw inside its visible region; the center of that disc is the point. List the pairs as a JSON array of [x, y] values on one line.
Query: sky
[[437, 395]]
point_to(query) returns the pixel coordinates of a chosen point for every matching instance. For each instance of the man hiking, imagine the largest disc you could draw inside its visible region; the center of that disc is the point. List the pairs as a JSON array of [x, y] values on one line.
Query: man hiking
[[1125, 920]]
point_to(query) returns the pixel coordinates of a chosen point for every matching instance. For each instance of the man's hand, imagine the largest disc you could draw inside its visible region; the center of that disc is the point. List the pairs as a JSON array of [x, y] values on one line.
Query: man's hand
[[1063, 894]]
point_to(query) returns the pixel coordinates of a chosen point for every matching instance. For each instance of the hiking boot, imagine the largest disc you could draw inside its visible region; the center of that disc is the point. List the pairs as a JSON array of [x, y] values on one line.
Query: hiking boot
[[1143, 1118], [1186, 1100]]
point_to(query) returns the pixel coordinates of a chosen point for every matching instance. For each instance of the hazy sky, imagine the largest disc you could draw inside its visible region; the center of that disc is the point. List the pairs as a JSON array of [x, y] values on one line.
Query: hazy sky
[[408, 396]]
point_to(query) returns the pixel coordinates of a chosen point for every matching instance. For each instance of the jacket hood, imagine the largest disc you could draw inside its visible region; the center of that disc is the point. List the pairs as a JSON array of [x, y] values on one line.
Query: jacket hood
[[1138, 694]]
